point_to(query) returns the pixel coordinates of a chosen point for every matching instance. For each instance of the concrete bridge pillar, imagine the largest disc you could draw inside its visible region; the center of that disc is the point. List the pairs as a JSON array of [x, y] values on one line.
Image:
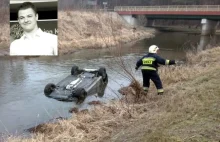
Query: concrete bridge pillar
[[206, 42], [138, 20], [132, 20], [208, 27], [203, 43]]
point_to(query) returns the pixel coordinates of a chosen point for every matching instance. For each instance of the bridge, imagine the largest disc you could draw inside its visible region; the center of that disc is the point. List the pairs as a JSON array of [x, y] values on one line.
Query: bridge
[[208, 14]]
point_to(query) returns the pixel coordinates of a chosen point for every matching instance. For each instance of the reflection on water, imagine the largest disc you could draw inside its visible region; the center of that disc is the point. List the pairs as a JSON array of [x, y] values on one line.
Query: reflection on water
[[22, 80]]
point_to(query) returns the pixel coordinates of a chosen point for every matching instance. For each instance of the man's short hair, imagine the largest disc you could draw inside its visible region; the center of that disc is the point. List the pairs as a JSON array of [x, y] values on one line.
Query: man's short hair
[[27, 5]]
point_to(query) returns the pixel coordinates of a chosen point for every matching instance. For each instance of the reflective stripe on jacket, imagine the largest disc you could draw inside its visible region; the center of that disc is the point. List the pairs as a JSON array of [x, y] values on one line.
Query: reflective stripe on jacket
[[151, 61]]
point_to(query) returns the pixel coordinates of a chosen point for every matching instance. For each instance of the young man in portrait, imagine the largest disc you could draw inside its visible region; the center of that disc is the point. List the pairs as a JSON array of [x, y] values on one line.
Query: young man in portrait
[[33, 42]]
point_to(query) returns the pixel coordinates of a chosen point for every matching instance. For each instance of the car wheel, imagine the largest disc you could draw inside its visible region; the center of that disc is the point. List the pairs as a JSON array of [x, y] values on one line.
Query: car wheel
[[49, 88], [102, 87], [80, 94], [74, 70], [102, 72]]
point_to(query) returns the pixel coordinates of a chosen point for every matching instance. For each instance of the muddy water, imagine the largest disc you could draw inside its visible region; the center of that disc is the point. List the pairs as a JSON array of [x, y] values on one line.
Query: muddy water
[[22, 80]]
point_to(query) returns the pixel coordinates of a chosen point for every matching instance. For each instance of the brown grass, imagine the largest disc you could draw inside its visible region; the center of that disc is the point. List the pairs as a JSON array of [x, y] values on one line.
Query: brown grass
[[97, 29], [4, 32], [4, 39], [188, 111], [4, 15]]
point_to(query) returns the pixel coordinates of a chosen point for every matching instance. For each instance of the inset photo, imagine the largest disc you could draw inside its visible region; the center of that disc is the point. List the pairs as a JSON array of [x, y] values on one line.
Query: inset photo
[[33, 28]]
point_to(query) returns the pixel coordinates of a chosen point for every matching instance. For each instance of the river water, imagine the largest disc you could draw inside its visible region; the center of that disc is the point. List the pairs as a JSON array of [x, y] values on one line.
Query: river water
[[22, 80]]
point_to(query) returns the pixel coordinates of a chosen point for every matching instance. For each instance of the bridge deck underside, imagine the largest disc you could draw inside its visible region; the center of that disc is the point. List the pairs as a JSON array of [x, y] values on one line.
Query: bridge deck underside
[[214, 15]]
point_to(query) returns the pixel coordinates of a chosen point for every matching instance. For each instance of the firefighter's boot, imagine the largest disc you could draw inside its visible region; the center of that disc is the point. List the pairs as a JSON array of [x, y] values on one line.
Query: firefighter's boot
[[160, 92]]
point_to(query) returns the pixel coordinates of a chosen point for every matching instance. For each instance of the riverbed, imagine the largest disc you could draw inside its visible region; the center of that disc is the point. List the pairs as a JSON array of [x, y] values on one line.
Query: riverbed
[[23, 104]]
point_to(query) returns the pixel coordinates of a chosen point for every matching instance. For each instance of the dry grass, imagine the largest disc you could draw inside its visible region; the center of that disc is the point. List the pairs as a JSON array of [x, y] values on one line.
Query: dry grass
[[188, 111], [83, 29], [4, 15], [4, 39], [4, 32]]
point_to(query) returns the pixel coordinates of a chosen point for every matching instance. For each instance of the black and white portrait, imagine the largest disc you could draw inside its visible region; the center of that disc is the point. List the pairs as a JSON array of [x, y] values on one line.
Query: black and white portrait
[[33, 28]]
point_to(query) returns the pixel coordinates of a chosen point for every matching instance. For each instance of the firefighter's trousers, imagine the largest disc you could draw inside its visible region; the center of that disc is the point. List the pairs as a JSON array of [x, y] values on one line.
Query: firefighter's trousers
[[151, 75]]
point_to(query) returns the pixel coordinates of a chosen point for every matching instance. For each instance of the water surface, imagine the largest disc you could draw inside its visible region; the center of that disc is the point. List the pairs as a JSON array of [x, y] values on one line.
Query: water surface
[[22, 80]]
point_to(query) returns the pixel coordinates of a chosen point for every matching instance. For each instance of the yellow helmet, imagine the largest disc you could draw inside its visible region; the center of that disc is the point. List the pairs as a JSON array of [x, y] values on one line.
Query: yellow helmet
[[153, 49]]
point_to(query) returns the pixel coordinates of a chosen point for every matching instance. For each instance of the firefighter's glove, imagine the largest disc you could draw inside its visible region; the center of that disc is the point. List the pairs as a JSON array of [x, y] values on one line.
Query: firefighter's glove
[[178, 63]]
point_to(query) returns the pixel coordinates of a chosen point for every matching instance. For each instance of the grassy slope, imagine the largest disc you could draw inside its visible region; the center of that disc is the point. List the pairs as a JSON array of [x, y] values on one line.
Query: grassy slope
[[188, 111], [98, 29]]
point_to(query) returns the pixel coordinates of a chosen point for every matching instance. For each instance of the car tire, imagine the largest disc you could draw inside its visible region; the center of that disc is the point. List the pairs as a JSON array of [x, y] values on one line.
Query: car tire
[[80, 94], [49, 88], [104, 82], [74, 70], [102, 87], [102, 72]]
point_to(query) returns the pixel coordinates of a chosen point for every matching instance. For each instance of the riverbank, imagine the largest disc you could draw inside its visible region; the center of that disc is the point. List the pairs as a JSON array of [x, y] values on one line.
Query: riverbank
[[188, 111], [98, 29], [88, 30]]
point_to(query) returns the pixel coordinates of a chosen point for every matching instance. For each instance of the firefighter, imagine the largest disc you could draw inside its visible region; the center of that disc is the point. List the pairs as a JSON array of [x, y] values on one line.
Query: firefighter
[[149, 67]]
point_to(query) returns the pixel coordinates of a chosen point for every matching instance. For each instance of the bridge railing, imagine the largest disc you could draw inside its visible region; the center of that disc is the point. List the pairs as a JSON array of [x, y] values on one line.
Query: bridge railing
[[169, 8]]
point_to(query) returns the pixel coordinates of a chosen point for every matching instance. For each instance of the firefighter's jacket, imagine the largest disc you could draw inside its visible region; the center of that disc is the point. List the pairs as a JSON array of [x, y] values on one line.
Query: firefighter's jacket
[[151, 61]]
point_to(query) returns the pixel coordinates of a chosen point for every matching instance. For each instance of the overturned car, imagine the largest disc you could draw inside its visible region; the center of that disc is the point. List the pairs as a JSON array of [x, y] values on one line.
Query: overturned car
[[79, 84]]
